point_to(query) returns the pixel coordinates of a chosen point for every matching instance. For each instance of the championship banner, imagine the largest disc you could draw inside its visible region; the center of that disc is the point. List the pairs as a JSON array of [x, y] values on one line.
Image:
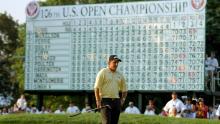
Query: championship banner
[[161, 45]]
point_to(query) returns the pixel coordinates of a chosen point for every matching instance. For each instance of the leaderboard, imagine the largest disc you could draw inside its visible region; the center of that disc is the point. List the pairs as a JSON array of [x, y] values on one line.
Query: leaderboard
[[161, 45]]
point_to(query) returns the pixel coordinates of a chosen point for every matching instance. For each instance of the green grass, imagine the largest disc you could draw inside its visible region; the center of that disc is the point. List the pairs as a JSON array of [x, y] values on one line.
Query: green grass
[[89, 118]]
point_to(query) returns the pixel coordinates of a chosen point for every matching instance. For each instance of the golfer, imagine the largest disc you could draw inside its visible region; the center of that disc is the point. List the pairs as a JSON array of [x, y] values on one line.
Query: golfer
[[109, 83]]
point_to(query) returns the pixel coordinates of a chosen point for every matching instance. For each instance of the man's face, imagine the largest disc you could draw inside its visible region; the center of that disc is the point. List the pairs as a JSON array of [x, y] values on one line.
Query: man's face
[[174, 96], [131, 104], [201, 103], [113, 65], [151, 104]]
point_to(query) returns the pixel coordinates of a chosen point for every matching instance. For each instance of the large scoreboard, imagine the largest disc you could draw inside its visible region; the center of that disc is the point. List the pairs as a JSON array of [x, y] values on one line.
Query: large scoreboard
[[161, 44]]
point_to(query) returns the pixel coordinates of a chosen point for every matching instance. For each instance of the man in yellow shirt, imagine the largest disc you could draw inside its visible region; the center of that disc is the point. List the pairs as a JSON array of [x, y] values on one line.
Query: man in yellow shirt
[[109, 83]]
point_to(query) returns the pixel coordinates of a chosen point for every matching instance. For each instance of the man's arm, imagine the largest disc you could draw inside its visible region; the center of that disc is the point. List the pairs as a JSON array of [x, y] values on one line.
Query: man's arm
[[97, 97], [182, 107], [123, 97], [166, 107], [98, 85]]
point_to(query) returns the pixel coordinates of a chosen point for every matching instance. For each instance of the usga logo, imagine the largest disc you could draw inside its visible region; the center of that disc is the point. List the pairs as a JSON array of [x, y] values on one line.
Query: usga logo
[[32, 9], [198, 5]]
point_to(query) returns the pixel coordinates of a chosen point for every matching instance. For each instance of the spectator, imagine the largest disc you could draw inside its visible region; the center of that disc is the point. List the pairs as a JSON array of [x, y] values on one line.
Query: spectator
[[211, 112], [72, 108], [21, 103], [43, 110], [150, 108], [10, 110], [218, 112], [174, 103], [87, 109], [4, 111], [48, 109], [202, 109], [163, 113], [15, 108], [131, 109], [173, 113], [194, 108], [211, 65], [213, 62], [189, 113], [59, 110], [28, 109], [34, 110]]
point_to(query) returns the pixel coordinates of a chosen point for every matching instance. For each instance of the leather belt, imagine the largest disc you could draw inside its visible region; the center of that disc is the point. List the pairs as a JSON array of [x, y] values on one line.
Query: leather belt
[[110, 99]]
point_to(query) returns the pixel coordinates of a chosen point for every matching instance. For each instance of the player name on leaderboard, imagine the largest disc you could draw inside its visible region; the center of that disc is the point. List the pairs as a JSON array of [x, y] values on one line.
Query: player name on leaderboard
[[161, 44]]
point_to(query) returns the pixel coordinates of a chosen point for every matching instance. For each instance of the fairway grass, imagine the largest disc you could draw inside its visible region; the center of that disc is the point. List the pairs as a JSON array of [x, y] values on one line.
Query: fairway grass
[[94, 118]]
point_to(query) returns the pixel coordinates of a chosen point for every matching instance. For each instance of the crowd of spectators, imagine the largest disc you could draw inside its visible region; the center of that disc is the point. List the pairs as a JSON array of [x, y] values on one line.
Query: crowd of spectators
[[189, 108], [21, 106]]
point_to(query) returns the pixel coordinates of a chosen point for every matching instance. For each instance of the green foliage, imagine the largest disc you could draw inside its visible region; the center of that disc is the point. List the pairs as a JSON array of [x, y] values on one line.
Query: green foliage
[[90, 118], [8, 45], [18, 59], [9, 34], [54, 101], [213, 25]]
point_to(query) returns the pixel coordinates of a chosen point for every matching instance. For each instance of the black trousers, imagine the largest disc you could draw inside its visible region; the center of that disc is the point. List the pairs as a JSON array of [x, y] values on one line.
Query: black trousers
[[111, 115]]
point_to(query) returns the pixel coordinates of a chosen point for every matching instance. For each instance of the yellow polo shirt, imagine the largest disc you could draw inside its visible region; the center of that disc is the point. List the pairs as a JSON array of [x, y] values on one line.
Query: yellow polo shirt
[[110, 83]]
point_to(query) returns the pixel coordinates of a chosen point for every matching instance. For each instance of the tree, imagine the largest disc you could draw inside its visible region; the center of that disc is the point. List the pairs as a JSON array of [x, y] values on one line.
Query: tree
[[213, 25], [8, 45], [18, 59]]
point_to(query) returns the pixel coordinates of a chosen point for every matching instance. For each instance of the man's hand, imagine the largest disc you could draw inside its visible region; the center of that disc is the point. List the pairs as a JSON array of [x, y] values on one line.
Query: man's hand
[[123, 97], [98, 104], [122, 101]]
